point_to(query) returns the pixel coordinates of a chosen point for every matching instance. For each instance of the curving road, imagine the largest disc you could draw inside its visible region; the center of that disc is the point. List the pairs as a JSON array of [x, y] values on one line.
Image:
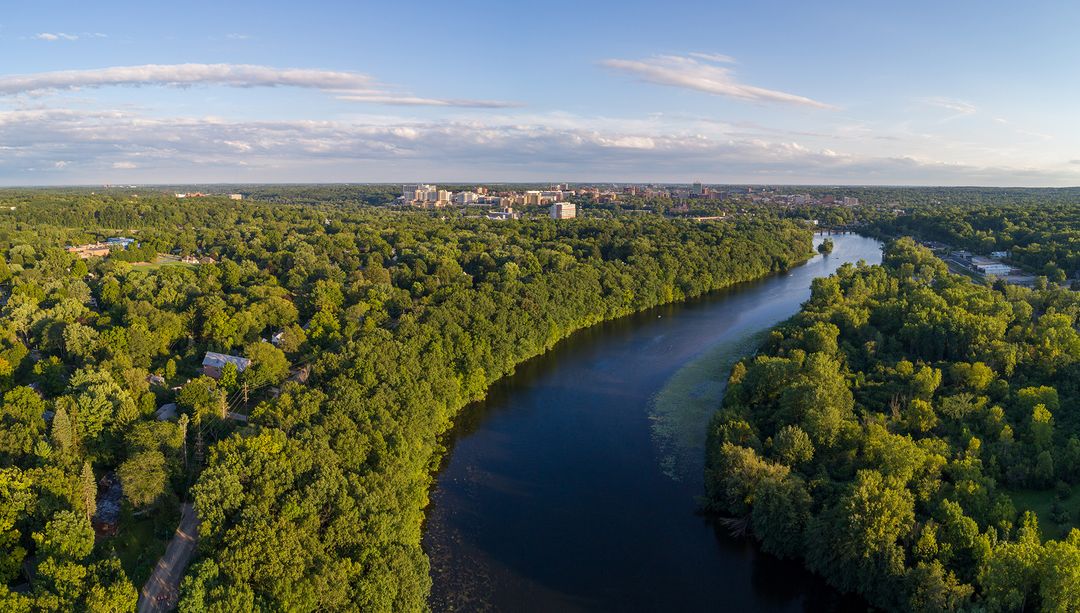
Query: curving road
[[163, 587]]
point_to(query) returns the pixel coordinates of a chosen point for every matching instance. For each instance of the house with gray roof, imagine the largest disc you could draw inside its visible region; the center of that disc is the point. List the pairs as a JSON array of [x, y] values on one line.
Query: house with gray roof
[[213, 363]]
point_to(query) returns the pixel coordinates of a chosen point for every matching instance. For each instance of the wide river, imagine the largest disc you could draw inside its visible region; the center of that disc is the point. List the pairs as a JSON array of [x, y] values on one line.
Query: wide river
[[574, 485]]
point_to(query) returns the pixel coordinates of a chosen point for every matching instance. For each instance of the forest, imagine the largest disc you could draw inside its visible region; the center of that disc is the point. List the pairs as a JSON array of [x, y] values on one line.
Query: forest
[[1044, 239], [365, 331], [912, 435]]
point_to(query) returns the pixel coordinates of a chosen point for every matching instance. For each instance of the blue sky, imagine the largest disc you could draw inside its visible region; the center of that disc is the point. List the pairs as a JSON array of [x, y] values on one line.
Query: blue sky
[[962, 93]]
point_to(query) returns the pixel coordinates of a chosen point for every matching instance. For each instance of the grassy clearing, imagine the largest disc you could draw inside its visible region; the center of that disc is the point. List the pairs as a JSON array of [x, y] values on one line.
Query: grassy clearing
[[1041, 502], [141, 540], [160, 261], [680, 412]]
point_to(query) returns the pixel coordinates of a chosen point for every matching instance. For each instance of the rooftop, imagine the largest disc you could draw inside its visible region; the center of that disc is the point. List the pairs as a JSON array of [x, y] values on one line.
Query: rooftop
[[219, 360]]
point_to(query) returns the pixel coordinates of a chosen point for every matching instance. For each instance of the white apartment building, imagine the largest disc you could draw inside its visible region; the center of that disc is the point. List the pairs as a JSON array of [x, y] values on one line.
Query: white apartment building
[[563, 210], [466, 198], [420, 192]]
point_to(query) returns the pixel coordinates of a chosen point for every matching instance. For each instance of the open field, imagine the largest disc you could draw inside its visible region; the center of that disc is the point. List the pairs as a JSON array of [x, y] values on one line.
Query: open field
[[162, 260]]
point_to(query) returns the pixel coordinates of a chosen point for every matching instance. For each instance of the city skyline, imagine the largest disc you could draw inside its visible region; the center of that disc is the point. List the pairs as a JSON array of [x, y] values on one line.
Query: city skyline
[[777, 93]]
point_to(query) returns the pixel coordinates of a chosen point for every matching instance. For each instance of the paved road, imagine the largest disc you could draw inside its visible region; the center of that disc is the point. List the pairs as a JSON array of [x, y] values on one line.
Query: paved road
[[163, 587]]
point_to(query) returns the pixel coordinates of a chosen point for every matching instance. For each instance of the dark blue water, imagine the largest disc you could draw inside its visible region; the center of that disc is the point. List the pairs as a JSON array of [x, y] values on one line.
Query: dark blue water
[[554, 498]]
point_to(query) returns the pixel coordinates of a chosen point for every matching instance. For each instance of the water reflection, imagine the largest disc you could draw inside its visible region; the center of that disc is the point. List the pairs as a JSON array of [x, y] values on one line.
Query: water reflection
[[573, 486]]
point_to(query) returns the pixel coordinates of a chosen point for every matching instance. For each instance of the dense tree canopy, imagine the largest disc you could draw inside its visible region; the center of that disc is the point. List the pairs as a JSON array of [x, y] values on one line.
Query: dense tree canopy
[[908, 433], [309, 468], [1044, 239]]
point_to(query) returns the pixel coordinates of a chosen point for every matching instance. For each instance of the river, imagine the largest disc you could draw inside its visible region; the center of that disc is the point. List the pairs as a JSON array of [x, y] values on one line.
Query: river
[[574, 485]]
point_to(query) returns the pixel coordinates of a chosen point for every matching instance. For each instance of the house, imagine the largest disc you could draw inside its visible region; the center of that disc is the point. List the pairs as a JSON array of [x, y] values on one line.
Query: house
[[156, 380], [301, 374], [213, 363], [166, 412], [278, 338]]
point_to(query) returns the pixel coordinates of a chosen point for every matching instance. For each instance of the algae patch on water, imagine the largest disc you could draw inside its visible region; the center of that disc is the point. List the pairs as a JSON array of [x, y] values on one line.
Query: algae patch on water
[[680, 412]]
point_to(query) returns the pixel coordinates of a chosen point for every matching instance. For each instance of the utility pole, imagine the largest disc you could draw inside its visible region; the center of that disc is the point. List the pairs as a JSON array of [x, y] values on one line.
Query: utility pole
[[245, 395], [199, 446], [183, 423]]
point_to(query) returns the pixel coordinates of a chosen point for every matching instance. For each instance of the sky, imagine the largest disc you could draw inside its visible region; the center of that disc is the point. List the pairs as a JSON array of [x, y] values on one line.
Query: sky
[[857, 93]]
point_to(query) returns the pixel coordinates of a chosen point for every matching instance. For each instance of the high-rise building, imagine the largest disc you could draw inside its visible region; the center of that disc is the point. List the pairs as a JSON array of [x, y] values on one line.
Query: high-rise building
[[465, 198], [563, 210], [697, 189], [418, 193]]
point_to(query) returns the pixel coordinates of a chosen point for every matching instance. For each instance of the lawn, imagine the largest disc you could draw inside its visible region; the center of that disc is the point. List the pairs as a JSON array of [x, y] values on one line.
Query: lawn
[[141, 540], [1041, 502], [160, 261]]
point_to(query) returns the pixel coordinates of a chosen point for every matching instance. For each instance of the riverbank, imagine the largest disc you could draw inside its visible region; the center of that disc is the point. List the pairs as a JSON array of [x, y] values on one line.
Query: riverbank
[[557, 491]]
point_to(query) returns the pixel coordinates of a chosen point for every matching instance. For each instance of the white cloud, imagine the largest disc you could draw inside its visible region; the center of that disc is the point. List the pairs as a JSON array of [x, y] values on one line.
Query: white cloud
[[952, 104], [237, 36], [50, 36], [718, 58], [481, 148], [234, 75], [1032, 133], [345, 85], [699, 72], [419, 101]]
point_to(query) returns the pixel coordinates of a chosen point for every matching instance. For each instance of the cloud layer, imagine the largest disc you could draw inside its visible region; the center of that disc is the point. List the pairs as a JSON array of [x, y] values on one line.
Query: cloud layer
[[92, 147], [702, 72], [345, 85]]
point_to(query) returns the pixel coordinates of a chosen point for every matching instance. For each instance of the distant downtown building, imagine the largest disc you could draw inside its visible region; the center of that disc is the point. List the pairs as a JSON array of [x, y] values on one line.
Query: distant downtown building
[[466, 198], [417, 192], [533, 197], [422, 194], [563, 210]]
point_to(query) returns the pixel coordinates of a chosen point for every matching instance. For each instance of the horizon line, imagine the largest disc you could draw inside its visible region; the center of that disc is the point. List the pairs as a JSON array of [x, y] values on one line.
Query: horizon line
[[125, 184]]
